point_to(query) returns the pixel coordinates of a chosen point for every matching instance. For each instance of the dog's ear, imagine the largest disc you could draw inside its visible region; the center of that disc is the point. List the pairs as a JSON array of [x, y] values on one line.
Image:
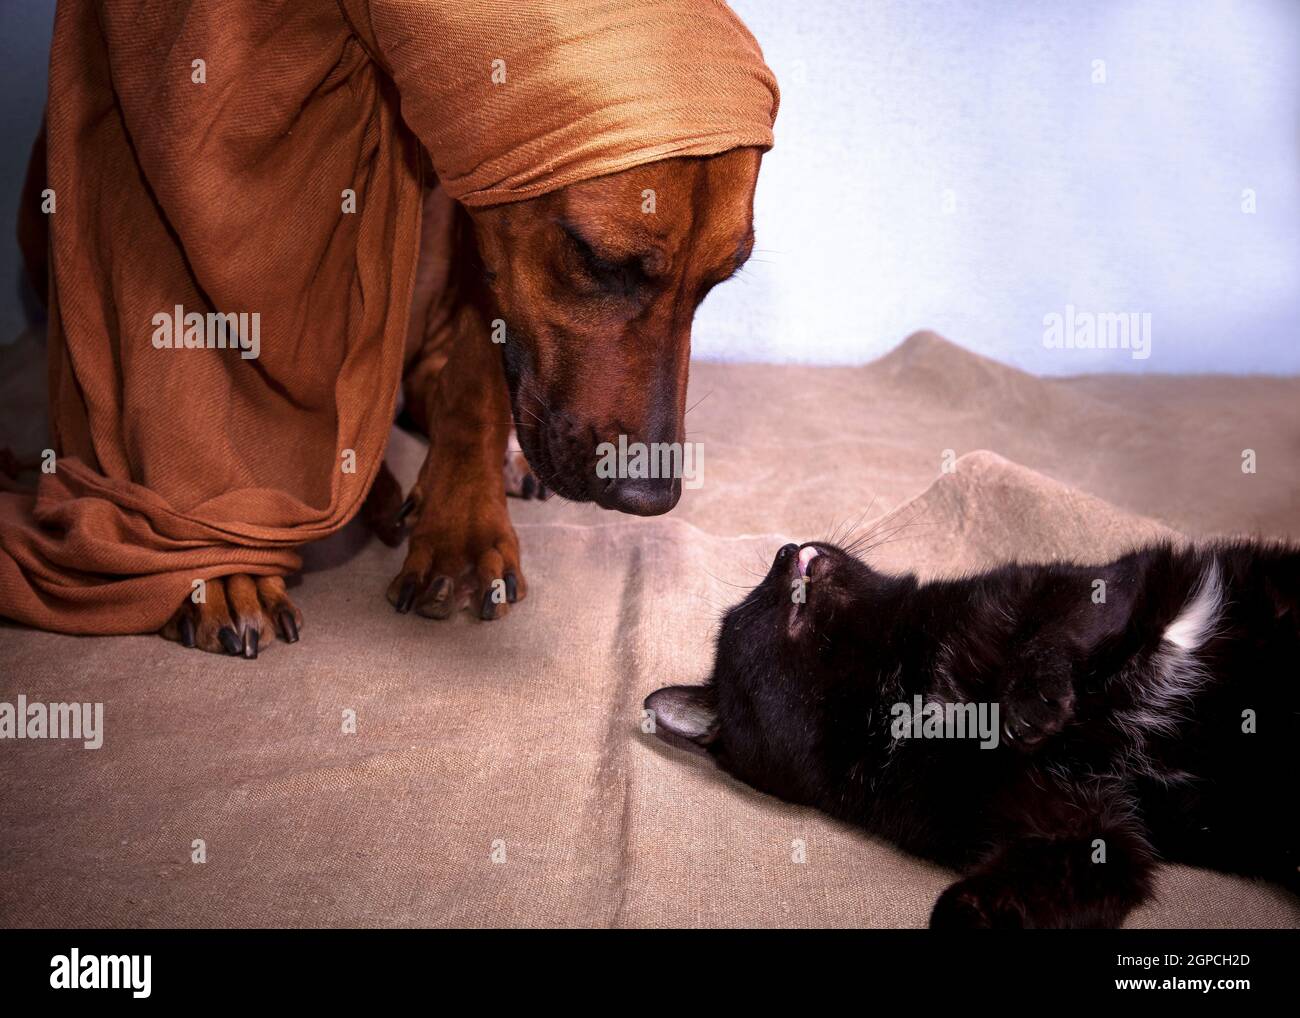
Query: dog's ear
[[688, 713]]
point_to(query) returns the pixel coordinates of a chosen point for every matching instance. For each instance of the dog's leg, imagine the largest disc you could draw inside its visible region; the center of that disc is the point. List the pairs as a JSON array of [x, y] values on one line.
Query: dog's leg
[[436, 302], [237, 615], [383, 510], [463, 548]]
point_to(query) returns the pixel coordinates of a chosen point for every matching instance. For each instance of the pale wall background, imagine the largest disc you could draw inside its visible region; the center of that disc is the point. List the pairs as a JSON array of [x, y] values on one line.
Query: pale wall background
[[951, 164], [1117, 197]]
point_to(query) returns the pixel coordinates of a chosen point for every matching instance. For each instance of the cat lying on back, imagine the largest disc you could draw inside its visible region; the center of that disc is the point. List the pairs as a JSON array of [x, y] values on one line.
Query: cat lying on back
[[1153, 716]]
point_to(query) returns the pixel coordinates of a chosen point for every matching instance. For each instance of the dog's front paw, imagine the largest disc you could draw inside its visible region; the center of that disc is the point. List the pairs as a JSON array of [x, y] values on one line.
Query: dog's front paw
[[236, 615], [458, 559]]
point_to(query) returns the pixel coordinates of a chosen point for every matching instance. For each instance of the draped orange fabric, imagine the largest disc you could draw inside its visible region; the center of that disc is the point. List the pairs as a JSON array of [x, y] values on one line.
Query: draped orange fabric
[[201, 157]]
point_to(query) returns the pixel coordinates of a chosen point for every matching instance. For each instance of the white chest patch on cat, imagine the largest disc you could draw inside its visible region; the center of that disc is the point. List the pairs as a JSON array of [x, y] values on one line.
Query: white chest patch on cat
[[1197, 621]]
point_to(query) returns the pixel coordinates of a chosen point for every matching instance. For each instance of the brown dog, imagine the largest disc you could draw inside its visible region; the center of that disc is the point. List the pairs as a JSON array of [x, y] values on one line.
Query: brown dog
[[596, 295]]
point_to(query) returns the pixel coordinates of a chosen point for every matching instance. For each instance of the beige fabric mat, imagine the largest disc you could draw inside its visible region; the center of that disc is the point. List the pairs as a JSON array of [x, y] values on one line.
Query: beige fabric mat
[[525, 732]]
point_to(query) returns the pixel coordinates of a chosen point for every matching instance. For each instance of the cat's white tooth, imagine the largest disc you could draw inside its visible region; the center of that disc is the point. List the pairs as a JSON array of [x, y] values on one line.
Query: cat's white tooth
[[806, 555]]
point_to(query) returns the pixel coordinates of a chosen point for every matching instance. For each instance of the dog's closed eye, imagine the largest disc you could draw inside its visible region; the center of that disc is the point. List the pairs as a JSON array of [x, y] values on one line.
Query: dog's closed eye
[[626, 276]]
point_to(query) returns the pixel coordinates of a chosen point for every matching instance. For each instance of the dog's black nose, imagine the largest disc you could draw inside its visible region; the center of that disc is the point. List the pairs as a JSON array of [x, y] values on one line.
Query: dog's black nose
[[642, 496]]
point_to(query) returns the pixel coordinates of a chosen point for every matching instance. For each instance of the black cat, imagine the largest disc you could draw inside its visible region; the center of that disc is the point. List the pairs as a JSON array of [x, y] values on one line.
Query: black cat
[[1146, 710]]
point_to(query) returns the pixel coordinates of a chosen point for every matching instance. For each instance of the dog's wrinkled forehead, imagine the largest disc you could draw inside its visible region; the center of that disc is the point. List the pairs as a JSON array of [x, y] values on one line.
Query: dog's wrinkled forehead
[[706, 204]]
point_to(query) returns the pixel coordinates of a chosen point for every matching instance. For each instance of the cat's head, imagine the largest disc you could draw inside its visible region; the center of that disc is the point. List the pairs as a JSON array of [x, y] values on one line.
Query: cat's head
[[779, 653]]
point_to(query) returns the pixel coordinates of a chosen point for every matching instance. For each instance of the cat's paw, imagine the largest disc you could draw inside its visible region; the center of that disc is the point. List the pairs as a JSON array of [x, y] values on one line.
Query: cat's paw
[[978, 903], [1035, 709]]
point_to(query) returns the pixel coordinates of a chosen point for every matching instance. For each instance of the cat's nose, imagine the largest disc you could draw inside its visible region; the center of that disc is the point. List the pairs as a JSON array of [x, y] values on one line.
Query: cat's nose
[[784, 556]]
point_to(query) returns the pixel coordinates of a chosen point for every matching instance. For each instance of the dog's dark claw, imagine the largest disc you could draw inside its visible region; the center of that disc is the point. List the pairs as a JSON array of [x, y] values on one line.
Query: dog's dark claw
[[529, 486], [439, 602], [289, 627], [250, 643], [187, 632], [229, 640], [406, 597], [404, 510], [489, 610], [512, 588]]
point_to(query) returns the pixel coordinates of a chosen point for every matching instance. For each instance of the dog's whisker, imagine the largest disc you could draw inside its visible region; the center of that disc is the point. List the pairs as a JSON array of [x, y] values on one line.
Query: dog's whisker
[[534, 416], [698, 402], [533, 394], [544, 406]]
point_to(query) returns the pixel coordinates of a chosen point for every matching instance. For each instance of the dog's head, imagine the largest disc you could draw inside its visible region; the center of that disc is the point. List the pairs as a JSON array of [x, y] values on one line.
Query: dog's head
[[597, 284]]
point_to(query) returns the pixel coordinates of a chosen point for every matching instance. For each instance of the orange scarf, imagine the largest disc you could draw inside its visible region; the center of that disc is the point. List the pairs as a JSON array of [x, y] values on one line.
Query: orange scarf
[[219, 157]]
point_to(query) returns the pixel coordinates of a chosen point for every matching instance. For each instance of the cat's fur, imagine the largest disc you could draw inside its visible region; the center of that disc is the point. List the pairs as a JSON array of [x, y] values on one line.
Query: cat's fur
[[1125, 723]]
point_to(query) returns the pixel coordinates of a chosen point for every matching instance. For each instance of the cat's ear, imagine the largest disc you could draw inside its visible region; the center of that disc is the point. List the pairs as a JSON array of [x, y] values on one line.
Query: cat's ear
[[688, 713]]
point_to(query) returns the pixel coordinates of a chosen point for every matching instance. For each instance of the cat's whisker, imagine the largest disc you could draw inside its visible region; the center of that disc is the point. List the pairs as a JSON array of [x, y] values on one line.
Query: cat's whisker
[[858, 525], [739, 586]]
